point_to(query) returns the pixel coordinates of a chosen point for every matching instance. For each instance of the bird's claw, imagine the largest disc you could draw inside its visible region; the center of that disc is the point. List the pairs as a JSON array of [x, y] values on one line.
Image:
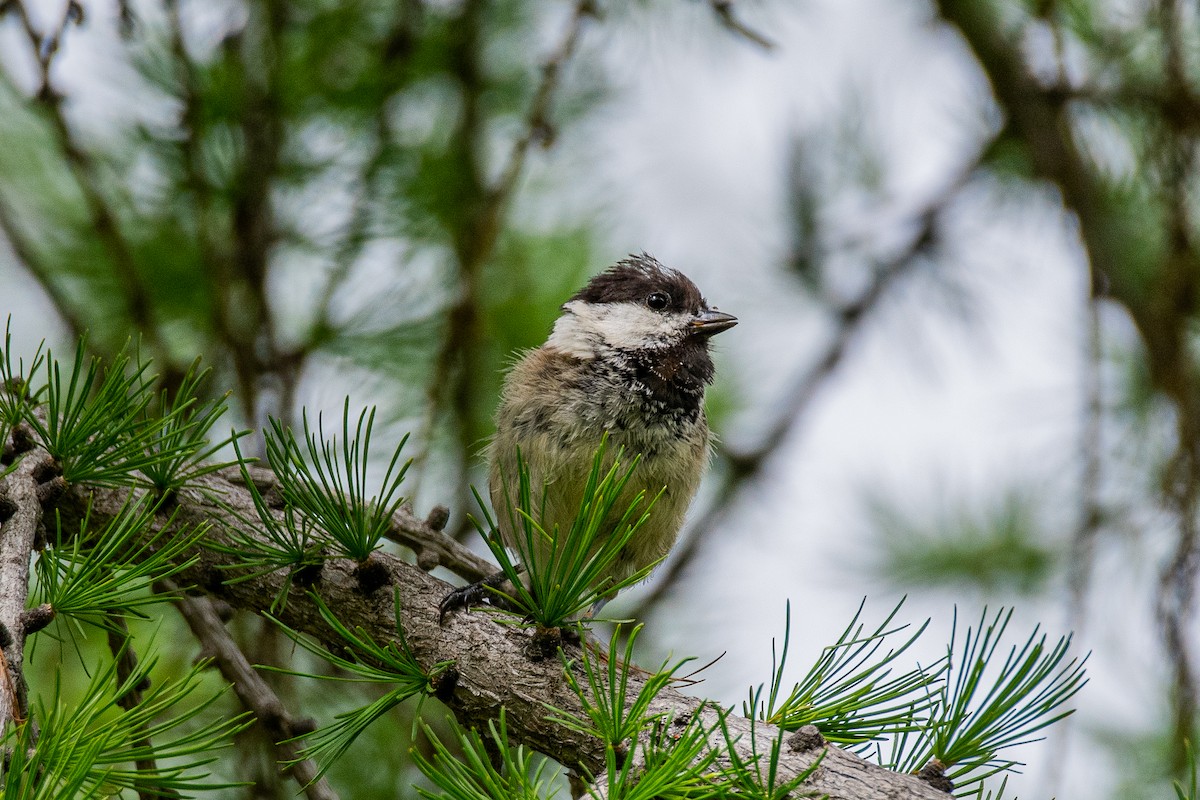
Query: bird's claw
[[473, 594]]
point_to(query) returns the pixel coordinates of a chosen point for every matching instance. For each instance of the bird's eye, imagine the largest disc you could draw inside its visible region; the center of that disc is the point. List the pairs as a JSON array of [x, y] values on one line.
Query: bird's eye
[[658, 300]]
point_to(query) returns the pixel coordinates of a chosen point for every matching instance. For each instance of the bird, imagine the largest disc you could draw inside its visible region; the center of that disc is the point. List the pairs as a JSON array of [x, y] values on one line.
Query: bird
[[627, 363]]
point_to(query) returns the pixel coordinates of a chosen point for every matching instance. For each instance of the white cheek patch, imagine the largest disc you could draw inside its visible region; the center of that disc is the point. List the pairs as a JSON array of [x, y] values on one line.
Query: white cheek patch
[[586, 329], [572, 335]]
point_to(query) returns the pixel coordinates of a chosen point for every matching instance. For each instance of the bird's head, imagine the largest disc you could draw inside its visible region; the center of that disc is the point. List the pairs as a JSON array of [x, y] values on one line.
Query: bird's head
[[635, 306]]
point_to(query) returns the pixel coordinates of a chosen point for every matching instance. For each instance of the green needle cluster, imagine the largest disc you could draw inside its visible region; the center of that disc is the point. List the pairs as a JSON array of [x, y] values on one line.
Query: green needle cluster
[[92, 575], [101, 424], [182, 434], [96, 426], [977, 714], [86, 749], [850, 693], [328, 483], [563, 573], [609, 713], [328, 505], [758, 776], [473, 774], [16, 393]]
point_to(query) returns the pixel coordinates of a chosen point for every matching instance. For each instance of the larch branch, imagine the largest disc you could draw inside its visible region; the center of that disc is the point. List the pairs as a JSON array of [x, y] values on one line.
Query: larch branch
[[492, 663], [19, 529], [255, 693]]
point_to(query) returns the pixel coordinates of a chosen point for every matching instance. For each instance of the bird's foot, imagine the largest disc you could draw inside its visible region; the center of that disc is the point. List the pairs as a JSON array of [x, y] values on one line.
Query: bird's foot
[[479, 593]]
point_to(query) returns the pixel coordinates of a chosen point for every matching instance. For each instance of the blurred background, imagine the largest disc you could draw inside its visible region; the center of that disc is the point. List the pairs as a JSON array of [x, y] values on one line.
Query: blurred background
[[961, 238]]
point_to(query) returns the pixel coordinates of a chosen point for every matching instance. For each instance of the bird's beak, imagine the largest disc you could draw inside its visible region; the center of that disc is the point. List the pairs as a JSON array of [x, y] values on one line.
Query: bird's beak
[[707, 323]]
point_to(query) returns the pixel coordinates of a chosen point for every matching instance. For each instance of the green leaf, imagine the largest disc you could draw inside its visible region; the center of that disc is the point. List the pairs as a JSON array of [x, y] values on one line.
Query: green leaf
[[677, 763], [16, 400], [472, 775], [982, 792], [290, 543], [84, 749], [90, 575], [979, 715], [96, 427], [758, 776], [1190, 792], [181, 426], [999, 545]]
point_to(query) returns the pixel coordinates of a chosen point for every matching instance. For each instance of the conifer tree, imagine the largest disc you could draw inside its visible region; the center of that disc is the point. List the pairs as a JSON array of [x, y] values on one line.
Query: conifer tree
[[284, 275]]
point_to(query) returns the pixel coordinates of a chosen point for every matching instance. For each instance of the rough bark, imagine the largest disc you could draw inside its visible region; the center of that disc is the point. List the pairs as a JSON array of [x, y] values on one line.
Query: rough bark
[[19, 524]]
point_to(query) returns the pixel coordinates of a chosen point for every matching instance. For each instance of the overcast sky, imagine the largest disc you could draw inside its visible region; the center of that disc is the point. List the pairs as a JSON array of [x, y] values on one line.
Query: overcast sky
[[687, 160]]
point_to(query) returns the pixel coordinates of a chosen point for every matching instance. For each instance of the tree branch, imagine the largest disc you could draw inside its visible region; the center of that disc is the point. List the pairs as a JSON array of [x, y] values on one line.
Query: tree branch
[[492, 662], [1091, 511], [254, 692], [216, 258], [728, 18], [486, 209], [20, 521], [253, 211], [104, 219], [26, 255], [538, 128], [120, 643], [1161, 301], [434, 548], [399, 48]]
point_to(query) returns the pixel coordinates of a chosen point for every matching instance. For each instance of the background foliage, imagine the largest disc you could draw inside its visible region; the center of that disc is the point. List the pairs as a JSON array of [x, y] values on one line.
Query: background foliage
[[386, 199]]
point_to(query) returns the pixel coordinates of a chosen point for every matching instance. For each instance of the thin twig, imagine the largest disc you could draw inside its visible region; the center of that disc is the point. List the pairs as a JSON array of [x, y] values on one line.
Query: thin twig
[[105, 222], [1091, 513], [253, 212], [1091, 516], [539, 128], [254, 692], [1176, 607], [216, 259], [1176, 588], [1035, 116], [120, 643], [27, 256], [1163, 309], [402, 34], [355, 235], [453, 367], [725, 13], [434, 548], [1174, 68]]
